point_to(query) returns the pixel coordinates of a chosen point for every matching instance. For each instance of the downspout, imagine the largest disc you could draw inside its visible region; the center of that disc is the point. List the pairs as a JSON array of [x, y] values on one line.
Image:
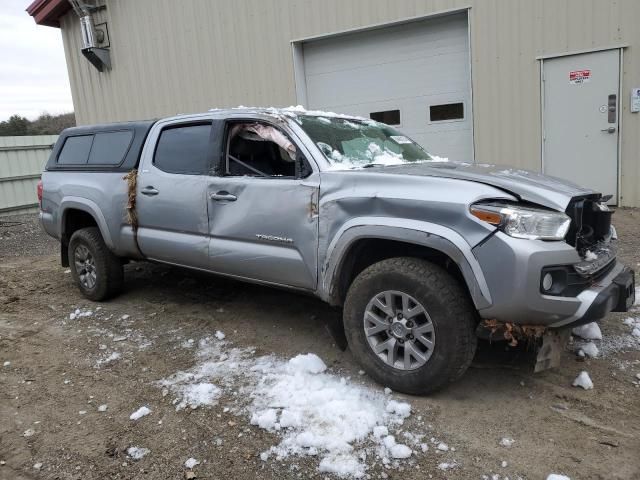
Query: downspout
[[99, 57]]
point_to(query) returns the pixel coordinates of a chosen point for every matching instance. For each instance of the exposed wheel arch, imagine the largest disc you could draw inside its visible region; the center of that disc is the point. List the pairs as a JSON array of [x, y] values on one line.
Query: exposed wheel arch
[[397, 237], [366, 251]]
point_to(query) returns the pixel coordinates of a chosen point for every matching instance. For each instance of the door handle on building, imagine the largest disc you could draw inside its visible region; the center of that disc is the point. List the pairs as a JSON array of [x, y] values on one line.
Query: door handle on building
[[609, 130]]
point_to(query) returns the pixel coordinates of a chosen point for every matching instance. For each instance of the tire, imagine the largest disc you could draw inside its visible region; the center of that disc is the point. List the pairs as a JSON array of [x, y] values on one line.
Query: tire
[[103, 277], [448, 317]]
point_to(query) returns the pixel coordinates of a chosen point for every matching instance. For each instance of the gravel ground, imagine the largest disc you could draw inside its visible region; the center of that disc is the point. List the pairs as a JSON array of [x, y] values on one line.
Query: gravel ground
[[55, 372], [21, 235]]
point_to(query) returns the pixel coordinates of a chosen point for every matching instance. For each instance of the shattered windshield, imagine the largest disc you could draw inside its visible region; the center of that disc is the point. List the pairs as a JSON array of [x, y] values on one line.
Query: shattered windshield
[[349, 143]]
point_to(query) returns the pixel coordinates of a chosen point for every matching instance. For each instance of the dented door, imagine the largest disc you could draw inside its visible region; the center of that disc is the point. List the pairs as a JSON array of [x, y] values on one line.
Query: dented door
[[264, 229]]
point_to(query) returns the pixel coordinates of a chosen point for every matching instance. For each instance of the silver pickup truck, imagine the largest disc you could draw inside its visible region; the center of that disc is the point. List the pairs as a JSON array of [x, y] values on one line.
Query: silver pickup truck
[[422, 255]]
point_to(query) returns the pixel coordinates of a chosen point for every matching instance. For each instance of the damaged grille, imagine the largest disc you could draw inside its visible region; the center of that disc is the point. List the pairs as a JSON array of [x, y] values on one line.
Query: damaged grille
[[591, 233]]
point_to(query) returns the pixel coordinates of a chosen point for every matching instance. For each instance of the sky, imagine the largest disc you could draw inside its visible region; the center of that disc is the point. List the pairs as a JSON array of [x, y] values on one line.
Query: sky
[[33, 72]]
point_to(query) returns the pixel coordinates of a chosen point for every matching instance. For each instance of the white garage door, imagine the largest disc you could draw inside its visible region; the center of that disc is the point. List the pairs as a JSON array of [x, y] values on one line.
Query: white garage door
[[414, 75]]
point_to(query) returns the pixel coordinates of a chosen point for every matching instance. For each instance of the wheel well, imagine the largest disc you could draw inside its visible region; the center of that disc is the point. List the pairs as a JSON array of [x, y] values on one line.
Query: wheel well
[[75, 220], [364, 253]]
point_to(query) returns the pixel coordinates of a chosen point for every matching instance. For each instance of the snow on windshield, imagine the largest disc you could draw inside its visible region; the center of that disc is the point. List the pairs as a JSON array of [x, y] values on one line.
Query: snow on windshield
[[350, 142]]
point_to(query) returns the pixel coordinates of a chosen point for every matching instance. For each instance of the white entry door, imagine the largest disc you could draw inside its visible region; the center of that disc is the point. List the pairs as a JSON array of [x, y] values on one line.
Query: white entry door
[[581, 112]]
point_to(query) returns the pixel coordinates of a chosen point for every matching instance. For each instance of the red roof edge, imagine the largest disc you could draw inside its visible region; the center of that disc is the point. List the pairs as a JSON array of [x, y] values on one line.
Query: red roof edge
[[48, 12]]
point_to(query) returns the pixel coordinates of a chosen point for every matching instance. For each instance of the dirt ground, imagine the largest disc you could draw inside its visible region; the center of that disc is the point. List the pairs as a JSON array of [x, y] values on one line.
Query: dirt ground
[[54, 369]]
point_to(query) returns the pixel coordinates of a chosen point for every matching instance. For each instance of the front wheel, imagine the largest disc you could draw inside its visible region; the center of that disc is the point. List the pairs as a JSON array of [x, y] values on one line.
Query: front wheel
[[95, 269], [410, 325]]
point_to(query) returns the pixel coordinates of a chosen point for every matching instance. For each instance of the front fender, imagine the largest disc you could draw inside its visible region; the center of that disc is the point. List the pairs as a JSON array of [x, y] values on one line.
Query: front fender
[[90, 207], [427, 234]]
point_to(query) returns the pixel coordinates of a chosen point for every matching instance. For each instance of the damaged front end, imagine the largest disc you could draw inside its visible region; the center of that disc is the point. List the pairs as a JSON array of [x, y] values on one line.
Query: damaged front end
[[549, 343]]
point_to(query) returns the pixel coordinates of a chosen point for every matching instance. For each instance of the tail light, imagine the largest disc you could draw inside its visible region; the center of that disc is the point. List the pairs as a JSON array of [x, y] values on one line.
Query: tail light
[[40, 194]]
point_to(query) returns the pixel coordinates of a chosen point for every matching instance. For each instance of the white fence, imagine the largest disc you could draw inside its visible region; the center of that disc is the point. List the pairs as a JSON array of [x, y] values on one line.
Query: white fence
[[21, 162]]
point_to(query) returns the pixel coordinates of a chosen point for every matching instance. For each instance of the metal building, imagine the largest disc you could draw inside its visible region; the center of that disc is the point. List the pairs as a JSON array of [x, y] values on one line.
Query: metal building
[[546, 85]]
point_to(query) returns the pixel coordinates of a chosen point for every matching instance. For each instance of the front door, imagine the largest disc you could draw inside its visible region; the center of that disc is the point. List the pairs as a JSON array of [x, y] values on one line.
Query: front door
[[581, 111], [262, 221]]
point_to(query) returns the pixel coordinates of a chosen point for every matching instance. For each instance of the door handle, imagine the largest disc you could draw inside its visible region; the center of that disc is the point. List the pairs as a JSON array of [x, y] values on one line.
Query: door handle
[[149, 191], [222, 196], [609, 130]]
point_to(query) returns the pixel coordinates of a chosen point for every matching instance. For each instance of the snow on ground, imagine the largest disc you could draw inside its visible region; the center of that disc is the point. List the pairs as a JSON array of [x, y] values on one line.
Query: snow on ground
[[347, 427], [141, 412], [555, 476], [507, 442], [588, 349], [590, 331], [79, 314], [583, 380], [112, 357], [136, 453], [625, 342], [191, 462]]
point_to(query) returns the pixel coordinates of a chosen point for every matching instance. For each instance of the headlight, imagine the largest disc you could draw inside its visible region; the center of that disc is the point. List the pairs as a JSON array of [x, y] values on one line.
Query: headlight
[[523, 222]]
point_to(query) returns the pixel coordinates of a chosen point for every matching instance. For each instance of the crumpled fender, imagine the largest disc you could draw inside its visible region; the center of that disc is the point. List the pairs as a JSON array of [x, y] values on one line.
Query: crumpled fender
[[428, 234]]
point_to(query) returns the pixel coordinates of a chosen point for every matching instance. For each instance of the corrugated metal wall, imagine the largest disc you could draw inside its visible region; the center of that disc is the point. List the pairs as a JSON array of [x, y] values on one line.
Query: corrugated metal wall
[[22, 160], [176, 57]]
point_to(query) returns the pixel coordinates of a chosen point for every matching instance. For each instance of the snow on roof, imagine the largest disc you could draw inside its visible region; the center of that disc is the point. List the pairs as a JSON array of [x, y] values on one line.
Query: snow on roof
[[292, 111]]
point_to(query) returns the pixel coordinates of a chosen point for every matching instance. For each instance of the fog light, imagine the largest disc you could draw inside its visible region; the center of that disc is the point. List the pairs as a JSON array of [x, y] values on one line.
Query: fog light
[[547, 282]]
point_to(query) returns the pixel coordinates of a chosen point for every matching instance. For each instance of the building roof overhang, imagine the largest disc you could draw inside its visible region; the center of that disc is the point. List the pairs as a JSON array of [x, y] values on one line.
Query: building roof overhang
[[48, 12]]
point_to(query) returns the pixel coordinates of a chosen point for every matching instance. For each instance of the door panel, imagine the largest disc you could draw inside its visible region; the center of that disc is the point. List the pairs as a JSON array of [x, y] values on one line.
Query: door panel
[[171, 202], [581, 111], [268, 233], [173, 224]]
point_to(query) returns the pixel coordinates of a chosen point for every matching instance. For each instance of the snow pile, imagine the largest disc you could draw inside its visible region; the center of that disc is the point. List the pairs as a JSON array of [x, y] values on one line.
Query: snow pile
[[102, 408], [315, 413], [588, 349], [321, 414], [141, 412], [556, 476], [590, 331], [634, 323], [583, 380], [136, 453], [191, 462], [220, 335], [196, 395], [507, 442], [79, 314]]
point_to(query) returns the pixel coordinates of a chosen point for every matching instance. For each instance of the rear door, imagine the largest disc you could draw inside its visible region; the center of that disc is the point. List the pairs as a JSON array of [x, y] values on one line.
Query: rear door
[[171, 200]]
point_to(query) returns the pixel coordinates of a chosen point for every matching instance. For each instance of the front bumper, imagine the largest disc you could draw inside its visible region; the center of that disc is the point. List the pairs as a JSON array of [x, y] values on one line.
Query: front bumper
[[512, 268]]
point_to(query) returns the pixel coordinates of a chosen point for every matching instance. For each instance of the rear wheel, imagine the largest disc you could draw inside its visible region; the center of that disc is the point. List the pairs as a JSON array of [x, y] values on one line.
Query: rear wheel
[[95, 269], [410, 325]]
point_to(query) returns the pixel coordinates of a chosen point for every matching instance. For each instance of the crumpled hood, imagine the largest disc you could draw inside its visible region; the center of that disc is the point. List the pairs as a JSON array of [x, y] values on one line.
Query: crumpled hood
[[530, 186]]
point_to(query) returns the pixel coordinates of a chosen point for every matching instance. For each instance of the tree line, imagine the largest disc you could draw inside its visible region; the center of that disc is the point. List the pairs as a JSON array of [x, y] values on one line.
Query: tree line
[[45, 124]]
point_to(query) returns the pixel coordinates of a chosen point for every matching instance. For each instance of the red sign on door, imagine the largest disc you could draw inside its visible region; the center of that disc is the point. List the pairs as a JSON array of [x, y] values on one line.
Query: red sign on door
[[579, 76]]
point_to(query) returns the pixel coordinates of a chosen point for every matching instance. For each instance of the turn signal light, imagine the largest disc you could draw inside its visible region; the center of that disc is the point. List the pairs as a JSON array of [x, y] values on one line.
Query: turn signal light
[[493, 218]]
